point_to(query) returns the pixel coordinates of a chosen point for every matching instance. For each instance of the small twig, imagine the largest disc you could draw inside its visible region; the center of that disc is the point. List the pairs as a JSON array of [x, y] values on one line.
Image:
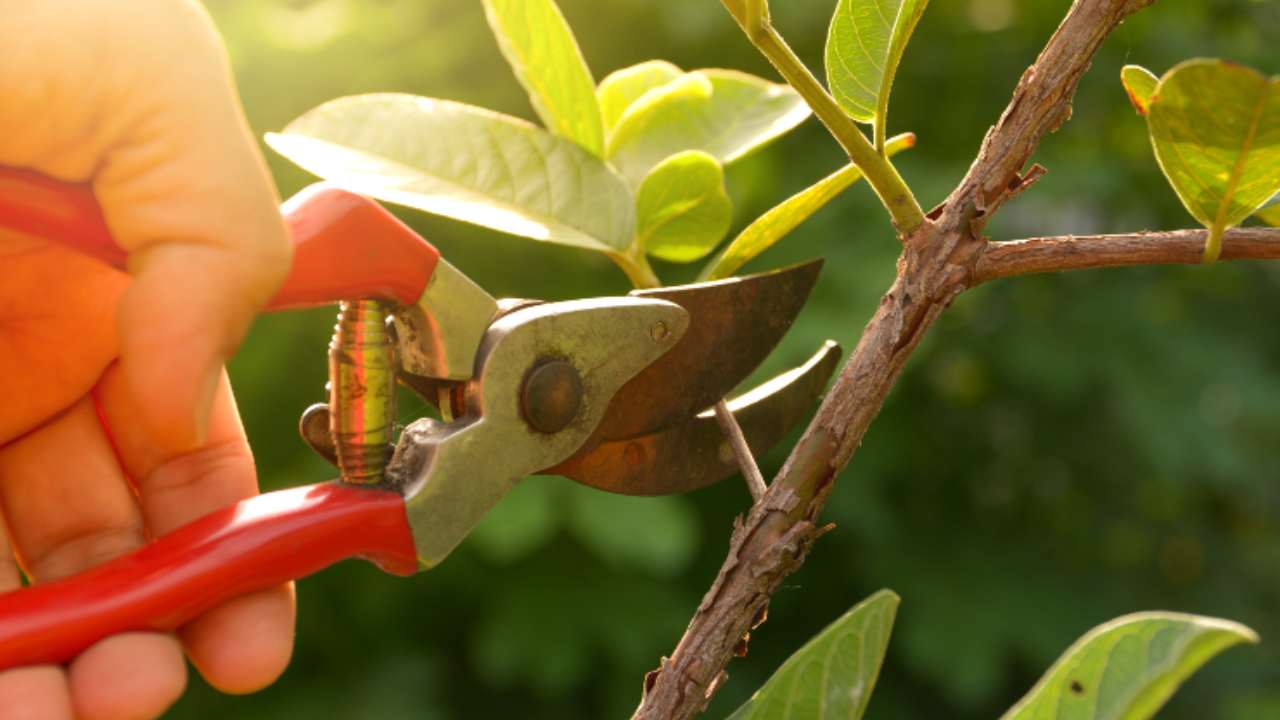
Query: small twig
[[1078, 252], [892, 190], [742, 451]]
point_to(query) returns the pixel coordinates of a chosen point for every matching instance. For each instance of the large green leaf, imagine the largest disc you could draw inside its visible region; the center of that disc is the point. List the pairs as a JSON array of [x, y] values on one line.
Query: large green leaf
[[622, 87], [1140, 84], [1215, 127], [721, 112], [540, 47], [780, 220], [682, 209], [1128, 668], [864, 45], [833, 675], [465, 163]]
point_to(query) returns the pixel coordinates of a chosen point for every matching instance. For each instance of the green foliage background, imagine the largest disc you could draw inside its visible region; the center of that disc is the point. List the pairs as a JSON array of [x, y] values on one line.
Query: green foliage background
[[1060, 451]]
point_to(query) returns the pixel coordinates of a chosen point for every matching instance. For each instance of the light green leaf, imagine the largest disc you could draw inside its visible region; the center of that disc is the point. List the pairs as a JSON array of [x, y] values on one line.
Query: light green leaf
[[466, 163], [540, 47], [658, 535], [864, 45], [622, 87], [833, 675], [721, 112], [682, 209], [780, 220], [1140, 84], [1128, 668], [1215, 127]]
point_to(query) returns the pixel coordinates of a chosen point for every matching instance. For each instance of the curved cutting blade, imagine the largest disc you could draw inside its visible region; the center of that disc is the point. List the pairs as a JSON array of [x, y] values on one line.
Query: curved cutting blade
[[695, 454], [733, 325]]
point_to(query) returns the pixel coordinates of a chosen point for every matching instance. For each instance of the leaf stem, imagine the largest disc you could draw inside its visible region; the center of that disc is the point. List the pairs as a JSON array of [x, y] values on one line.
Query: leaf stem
[[753, 17], [1213, 244], [634, 263]]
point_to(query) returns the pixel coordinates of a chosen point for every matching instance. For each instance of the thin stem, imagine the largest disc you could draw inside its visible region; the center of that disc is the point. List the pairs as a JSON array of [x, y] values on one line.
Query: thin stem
[[634, 263], [883, 176], [738, 441], [881, 127]]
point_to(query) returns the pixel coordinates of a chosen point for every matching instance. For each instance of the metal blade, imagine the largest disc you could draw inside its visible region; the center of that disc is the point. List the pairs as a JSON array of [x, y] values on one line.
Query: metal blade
[[695, 453], [734, 324]]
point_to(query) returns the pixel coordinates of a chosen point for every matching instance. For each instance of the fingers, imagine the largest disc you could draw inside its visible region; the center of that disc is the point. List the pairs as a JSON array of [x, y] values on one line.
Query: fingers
[[140, 100], [57, 330], [60, 525], [244, 644], [30, 693]]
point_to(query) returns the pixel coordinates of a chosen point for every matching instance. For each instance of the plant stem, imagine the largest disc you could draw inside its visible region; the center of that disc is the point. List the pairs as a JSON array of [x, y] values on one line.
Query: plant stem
[[883, 176], [636, 266], [746, 461]]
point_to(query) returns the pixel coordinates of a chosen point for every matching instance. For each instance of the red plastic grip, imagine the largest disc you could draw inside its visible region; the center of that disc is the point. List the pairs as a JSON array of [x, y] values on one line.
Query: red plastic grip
[[346, 246], [255, 544], [65, 212]]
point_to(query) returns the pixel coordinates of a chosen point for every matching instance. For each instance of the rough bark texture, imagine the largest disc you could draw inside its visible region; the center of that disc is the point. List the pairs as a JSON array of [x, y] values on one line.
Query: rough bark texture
[[939, 261], [1079, 252]]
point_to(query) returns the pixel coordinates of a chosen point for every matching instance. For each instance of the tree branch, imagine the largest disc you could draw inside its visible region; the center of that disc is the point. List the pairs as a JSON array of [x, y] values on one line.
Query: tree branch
[[1072, 252], [937, 264]]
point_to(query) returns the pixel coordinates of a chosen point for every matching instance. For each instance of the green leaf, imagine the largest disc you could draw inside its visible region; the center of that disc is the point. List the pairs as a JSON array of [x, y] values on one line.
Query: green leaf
[[721, 112], [622, 87], [1140, 84], [1215, 127], [466, 163], [833, 675], [539, 45], [682, 209], [1128, 668], [780, 220], [864, 45], [657, 535]]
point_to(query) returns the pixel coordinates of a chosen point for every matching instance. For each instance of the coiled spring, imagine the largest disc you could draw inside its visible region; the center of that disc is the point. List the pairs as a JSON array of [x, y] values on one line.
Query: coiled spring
[[362, 390]]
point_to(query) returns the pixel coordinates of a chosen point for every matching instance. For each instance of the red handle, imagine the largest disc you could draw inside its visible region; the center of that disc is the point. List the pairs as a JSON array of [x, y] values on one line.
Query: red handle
[[252, 545], [346, 246]]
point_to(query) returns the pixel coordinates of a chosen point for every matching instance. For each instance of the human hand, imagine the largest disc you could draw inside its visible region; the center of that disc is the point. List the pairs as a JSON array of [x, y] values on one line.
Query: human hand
[[135, 97]]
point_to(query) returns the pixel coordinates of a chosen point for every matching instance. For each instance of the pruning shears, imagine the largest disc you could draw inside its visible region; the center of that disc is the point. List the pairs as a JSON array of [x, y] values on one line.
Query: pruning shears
[[612, 392]]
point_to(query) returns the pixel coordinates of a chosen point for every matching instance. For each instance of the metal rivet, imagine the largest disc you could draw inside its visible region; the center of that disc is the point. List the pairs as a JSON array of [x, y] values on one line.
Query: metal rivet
[[551, 396], [659, 331]]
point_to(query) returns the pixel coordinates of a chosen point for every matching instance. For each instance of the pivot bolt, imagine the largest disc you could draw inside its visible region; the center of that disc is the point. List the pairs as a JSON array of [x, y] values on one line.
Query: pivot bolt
[[552, 396]]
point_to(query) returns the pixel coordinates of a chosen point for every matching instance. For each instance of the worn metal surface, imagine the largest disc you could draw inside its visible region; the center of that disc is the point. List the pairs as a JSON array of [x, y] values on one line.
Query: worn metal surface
[[695, 454], [362, 384], [313, 426], [452, 473], [552, 395], [438, 336], [733, 326]]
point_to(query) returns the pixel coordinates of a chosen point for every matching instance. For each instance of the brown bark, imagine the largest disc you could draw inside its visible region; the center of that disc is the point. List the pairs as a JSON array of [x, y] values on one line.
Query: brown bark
[[1071, 252], [939, 261]]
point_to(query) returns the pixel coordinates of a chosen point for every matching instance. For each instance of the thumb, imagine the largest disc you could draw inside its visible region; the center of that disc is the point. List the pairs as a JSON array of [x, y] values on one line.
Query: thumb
[[186, 193], [138, 97]]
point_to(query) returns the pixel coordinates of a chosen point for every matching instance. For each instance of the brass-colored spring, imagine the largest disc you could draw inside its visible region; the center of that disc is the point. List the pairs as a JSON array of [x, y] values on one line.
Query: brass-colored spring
[[362, 390]]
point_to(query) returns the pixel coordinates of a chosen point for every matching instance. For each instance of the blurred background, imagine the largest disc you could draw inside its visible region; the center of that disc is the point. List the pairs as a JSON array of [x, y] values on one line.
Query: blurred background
[[1061, 449]]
